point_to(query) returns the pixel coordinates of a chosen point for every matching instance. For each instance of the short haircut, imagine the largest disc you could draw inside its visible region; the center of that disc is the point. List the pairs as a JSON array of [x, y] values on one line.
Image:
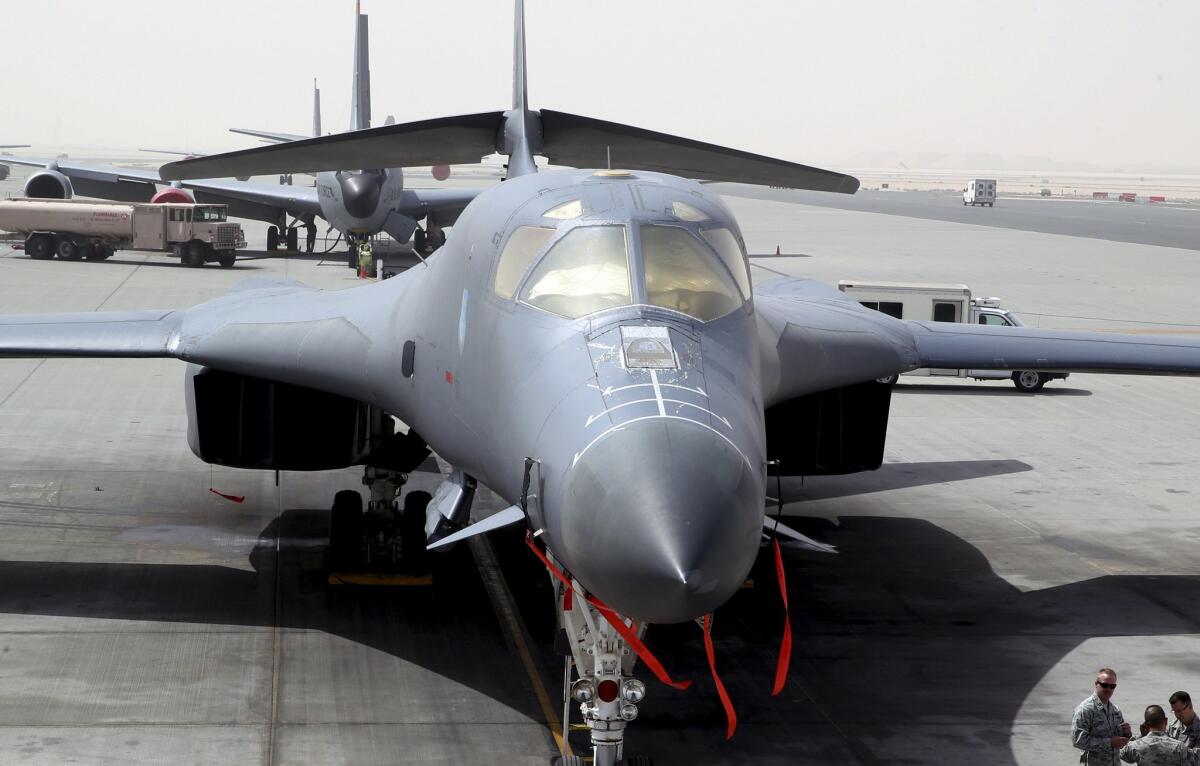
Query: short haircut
[[1105, 671], [1183, 697], [1155, 716]]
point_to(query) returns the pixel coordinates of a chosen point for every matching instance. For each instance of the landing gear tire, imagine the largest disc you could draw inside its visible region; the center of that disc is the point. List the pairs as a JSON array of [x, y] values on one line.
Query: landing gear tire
[[272, 237], [40, 247], [889, 380], [566, 760], [412, 530], [345, 530], [419, 241], [193, 254], [1028, 381], [293, 240], [227, 260], [67, 250], [636, 760]]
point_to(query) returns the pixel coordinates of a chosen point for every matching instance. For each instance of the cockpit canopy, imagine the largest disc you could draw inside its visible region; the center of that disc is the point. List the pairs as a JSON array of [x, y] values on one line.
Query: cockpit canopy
[[700, 272]]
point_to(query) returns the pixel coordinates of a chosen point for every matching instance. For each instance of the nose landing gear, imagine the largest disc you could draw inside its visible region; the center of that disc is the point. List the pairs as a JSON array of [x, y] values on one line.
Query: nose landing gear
[[607, 693]]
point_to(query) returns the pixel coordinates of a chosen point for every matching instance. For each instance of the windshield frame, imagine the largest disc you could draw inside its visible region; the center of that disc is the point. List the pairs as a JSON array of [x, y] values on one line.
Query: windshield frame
[[640, 300]]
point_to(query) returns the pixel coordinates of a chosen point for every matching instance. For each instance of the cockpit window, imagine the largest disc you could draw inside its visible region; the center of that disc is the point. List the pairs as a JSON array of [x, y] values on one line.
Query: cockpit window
[[565, 211], [523, 245], [685, 212], [586, 271], [726, 245], [682, 274]]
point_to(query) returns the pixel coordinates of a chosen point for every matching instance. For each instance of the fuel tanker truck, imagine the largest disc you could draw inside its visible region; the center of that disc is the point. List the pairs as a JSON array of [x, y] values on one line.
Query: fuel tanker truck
[[74, 229]]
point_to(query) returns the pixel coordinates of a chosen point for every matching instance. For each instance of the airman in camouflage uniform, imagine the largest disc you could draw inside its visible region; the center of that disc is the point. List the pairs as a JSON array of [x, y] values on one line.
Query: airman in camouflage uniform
[[1186, 726], [1098, 728], [1156, 748]]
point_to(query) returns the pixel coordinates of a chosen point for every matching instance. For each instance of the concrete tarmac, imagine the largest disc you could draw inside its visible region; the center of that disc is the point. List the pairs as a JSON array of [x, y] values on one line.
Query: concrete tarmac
[[1162, 224], [1009, 547]]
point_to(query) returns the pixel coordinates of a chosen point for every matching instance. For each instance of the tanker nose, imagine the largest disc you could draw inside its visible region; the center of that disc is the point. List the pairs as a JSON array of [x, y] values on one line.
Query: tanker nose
[[662, 519], [360, 192]]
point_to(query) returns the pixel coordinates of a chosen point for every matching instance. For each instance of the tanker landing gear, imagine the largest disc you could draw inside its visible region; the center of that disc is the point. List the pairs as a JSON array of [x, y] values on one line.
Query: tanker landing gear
[[291, 239], [429, 239], [607, 693]]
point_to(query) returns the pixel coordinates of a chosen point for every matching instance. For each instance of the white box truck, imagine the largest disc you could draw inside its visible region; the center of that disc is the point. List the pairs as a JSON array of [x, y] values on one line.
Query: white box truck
[[980, 191], [93, 229], [945, 303]]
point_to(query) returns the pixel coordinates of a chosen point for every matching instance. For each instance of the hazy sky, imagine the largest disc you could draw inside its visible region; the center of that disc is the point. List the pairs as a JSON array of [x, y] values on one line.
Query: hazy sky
[[1104, 82]]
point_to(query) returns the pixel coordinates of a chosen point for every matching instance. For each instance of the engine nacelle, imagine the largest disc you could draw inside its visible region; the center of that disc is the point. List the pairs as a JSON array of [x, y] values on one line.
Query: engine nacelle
[[831, 432], [49, 184], [172, 194], [244, 422]]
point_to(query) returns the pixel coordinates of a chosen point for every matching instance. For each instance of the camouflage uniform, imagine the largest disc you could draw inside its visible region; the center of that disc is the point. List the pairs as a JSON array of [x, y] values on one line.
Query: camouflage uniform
[[1189, 734], [1092, 727], [1156, 749]]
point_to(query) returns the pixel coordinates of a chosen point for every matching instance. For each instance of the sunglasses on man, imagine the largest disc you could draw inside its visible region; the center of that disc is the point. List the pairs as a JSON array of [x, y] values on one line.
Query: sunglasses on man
[[1103, 685]]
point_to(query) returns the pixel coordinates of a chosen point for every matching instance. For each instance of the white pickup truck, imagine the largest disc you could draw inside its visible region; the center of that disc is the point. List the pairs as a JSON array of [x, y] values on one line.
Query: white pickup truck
[[945, 303]]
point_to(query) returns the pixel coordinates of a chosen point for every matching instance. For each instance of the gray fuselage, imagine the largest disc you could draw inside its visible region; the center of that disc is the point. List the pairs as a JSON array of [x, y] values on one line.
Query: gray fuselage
[[647, 421]]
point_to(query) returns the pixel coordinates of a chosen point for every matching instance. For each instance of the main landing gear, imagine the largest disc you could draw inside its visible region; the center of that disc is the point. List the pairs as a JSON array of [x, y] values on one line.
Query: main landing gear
[[385, 536], [607, 693]]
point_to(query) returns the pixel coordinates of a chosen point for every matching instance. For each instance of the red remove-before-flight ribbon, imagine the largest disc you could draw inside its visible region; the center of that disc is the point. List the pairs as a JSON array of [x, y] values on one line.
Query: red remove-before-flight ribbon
[[785, 646], [629, 633], [730, 713], [231, 498]]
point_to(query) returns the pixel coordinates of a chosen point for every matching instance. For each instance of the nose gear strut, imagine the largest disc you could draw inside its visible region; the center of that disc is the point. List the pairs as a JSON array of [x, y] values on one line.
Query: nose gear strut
[[603, 648]]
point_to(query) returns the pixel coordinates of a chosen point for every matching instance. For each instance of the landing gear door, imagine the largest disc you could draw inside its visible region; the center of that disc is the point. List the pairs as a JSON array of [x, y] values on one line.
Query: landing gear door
[[947, 311]]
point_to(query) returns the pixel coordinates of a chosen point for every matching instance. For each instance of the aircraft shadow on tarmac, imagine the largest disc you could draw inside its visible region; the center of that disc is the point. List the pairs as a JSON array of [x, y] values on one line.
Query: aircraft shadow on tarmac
[[908, 647]]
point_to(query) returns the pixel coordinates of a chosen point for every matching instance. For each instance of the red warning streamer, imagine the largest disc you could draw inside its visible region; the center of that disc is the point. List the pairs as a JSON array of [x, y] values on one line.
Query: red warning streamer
[[785, 646], [627, 632], [730, 713], [231, 498]]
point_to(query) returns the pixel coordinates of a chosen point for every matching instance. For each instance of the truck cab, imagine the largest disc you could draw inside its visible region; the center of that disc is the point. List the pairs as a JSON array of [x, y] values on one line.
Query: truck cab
[[980, 191]]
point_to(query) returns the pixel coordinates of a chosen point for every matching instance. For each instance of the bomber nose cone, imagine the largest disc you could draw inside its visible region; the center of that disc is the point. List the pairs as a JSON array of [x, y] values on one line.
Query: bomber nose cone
[[360, 193], [662, 519]]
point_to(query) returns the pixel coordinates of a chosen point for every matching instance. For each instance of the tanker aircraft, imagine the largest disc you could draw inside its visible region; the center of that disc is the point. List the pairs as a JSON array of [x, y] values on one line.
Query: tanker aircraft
[[358, 203], [587, 344]]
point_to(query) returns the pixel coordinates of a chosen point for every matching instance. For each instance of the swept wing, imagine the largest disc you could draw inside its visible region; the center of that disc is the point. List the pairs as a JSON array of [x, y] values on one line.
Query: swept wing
[[282, 331], [814, 338]]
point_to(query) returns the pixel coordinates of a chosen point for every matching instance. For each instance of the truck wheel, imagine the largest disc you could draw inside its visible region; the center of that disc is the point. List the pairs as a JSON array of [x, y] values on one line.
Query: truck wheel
[[193, 254], [67, 250], [293, 240], [226, 260], [1029, 381], [272, 238], [40, 247]]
